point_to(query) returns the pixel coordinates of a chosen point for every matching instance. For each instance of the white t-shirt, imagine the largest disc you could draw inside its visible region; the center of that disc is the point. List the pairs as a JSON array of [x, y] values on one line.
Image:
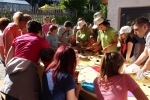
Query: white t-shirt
[[147, 45]]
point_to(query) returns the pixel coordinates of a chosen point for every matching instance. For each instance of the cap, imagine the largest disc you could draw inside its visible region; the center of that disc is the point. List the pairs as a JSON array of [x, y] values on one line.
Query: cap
[[97, 21], [80, 24], [97, 15], [125, 29]]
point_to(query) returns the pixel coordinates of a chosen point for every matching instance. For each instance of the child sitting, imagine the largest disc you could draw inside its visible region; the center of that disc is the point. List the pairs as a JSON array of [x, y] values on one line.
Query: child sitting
[[111, 84], [53, 21], [46, 57]]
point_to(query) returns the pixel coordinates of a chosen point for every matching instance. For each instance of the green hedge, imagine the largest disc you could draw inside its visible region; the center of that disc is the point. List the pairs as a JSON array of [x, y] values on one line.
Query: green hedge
[[87, 16]]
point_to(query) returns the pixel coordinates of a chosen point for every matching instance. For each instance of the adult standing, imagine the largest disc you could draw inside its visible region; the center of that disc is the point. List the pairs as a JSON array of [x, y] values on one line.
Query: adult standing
[[65, 34], [127, 43], [3, 23], [106, 35], [22, 81], [14, 30], [141, 27]]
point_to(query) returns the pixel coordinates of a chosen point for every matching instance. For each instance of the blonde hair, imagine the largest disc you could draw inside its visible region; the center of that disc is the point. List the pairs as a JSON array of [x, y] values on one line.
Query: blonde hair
[[53, 19], [17, 17]]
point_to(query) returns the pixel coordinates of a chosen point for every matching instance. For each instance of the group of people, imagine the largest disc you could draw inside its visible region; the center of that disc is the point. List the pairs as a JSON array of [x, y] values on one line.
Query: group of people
[[25, 41]]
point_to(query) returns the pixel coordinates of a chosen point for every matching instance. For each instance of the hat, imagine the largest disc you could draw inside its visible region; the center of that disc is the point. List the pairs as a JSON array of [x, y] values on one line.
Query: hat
[[97, 15], [125, 29], [80, 24], [97, 21]]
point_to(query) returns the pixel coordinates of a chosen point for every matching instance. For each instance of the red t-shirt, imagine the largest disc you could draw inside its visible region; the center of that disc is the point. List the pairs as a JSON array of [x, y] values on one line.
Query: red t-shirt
[[29, 46]]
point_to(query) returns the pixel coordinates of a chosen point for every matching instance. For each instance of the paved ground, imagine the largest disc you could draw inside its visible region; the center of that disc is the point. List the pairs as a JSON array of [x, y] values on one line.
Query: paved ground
[[2, 71]]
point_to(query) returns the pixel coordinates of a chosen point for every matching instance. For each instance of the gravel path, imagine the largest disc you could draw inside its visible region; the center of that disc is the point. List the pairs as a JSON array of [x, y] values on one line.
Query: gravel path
[[2, 71]]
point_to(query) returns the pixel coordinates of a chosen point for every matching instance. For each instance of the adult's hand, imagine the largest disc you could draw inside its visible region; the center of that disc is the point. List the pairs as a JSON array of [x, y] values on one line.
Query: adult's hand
[[105, 50], [140, 75]]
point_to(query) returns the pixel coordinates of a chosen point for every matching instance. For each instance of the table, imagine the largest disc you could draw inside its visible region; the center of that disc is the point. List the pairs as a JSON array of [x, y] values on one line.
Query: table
[[84, 65]]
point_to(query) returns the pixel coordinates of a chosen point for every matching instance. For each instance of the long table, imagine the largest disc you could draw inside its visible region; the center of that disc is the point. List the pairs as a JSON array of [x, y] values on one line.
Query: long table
[[87, 74]]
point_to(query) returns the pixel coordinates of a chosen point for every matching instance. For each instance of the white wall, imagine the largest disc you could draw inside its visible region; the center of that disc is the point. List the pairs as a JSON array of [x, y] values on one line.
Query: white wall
[[114, 9]]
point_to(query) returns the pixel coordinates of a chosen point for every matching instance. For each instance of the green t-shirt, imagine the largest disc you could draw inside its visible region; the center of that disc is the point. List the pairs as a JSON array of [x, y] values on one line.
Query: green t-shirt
[[83, 36], [107, 37]]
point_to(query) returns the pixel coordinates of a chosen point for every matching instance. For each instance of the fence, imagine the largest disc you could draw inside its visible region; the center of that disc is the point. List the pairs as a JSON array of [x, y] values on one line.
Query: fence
[[36, 14]]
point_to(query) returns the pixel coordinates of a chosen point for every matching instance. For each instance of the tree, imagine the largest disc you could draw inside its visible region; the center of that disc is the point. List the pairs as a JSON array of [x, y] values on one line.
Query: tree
[[93, 4], [103, 10], [77, 6]]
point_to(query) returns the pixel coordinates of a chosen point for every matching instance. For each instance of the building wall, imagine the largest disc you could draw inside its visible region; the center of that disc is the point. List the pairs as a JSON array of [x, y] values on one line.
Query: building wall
[[114, 9]]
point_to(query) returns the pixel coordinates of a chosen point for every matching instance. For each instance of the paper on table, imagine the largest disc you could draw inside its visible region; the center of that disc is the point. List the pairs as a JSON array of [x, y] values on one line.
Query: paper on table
[[87, 74], [133, 68]]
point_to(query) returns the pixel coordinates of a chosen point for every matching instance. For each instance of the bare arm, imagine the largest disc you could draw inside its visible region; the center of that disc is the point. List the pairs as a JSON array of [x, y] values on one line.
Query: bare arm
[[10, 54], [7, 40], [73, 94], [129, 49], [139, 94], [111, 45], [146, 65], [142, 57], [95, 44], [2, 52]]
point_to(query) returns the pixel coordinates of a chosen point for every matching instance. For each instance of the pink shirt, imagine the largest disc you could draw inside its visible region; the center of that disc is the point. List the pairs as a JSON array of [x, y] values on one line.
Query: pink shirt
[[116, 88], [29, 46], [45, 28]]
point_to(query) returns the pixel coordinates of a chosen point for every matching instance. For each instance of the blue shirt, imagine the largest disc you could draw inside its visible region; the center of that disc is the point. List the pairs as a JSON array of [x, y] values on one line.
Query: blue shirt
[[53, 40], [51, 91]]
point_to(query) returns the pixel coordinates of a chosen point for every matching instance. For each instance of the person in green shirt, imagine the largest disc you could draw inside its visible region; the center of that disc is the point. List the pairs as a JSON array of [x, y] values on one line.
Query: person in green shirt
[[83, 34], [106, 35]]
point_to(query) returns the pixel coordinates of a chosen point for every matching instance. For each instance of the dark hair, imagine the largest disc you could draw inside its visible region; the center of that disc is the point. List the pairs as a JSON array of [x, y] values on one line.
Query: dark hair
[[140, 21], [106, 22], [34, 26], [110, 64], [68, 24], [53, 27], [47, 54], [64, 60], [3, 23]]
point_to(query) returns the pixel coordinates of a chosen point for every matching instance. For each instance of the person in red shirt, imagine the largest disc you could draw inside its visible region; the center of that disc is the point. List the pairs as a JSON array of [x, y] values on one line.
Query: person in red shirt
[[22, 80], [14, 30]]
